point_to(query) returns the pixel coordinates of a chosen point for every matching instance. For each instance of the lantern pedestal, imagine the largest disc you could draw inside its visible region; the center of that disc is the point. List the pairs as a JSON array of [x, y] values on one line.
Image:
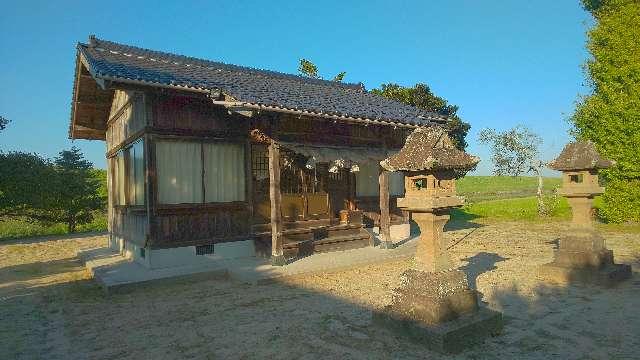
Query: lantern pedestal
[[434, 304], [439, 310], [583, 258]]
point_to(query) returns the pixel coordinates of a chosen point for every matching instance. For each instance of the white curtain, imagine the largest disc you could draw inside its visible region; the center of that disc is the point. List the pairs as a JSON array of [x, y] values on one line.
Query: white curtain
[[137, 160], [224, 177], [179, 172], [119, 176], [367, 182]]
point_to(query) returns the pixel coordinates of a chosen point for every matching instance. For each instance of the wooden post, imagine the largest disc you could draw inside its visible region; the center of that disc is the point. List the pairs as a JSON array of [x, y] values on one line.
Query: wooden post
[[277, 256], [151, 188], [385, 233]]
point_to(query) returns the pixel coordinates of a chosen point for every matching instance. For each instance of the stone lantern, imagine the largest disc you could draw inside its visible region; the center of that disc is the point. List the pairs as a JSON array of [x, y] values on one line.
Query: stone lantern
[[434, 303], [582, 256]]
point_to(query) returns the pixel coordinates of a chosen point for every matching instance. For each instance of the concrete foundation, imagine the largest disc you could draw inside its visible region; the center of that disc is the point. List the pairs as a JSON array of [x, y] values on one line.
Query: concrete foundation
[[180, 256], [398, 232]]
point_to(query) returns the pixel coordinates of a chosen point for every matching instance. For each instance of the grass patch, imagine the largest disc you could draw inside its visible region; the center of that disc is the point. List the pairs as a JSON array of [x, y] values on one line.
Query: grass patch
[[512, 210], [482, 188], [19, 228]]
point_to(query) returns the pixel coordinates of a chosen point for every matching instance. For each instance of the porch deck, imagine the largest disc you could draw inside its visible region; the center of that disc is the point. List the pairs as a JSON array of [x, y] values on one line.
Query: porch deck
[[302, 238], [118, 274]]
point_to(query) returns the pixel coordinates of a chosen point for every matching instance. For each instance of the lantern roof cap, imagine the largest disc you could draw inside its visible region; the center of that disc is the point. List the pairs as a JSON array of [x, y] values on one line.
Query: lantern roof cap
[[580, 155], [429, 148]]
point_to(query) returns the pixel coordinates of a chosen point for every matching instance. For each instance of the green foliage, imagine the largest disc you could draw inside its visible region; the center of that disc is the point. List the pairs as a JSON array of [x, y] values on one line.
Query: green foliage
[[4, 122], [421, 96], [340, 76], [621, 201], [25, 184], [66, 191], [309, 69], [20, 227], [514, 151], [610, 116], [77, 190]]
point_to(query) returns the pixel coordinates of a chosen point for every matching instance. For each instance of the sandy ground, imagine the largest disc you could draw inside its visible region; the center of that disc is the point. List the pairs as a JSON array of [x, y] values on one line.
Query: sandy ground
[[50, 309]]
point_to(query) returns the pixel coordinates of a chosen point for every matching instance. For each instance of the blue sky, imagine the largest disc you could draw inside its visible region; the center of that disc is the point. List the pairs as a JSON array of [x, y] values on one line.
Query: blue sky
[[503, 62]]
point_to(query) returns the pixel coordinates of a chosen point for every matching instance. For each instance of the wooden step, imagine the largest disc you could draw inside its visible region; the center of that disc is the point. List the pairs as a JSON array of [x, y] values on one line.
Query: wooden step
[[305, 241], [340, 243], [259, 228]]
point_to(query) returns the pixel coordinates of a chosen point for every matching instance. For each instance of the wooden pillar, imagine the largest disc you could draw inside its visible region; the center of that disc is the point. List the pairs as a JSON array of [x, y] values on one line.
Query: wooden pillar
[[151, 188], [277, 256], [351, 194], [385, 219]]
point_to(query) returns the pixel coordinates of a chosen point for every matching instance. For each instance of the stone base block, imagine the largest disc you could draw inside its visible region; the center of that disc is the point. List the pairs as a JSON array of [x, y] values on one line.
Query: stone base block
[[387, 245], [582, 259], [449, 337], [607, 276], [278, 260], [432, 297]]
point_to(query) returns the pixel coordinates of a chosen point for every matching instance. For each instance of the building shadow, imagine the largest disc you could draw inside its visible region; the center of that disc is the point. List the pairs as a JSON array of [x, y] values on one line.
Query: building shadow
[[322, 316], [45, 238], [16, 274]]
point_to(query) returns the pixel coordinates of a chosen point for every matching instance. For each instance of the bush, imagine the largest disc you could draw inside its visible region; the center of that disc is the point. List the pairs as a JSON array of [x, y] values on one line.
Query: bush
[[620, 201]]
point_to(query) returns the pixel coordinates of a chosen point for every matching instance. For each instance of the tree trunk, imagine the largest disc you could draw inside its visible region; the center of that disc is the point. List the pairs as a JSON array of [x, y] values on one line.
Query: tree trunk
[[541, 207], [71, 224]]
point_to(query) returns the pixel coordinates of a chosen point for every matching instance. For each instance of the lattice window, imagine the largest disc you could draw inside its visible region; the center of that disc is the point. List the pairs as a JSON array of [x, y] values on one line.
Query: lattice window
[[260, 169]]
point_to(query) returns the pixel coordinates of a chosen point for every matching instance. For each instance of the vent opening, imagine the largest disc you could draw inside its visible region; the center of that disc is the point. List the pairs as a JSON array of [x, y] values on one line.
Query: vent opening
[[204, 249]]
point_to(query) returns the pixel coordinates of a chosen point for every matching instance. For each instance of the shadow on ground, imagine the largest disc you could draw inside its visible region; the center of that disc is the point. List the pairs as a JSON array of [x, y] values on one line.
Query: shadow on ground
[[45, 238], [479, 264], [324, 316]]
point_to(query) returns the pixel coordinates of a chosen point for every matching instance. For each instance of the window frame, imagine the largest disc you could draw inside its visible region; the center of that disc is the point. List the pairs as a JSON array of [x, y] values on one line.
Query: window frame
[[201, 142]]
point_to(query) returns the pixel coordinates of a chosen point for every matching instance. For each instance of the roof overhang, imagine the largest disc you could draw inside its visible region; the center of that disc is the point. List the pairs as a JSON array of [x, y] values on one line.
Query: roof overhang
[[90, 104]]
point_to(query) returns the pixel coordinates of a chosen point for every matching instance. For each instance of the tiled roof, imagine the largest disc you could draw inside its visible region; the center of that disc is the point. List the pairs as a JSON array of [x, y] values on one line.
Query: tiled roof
[[272, 90]]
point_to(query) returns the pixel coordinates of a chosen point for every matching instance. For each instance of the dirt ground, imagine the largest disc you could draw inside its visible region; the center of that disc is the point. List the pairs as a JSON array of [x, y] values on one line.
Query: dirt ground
[[50, 309]]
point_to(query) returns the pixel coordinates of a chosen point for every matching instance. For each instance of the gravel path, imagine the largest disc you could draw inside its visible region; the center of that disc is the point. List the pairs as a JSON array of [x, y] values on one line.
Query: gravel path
[[49, 308]]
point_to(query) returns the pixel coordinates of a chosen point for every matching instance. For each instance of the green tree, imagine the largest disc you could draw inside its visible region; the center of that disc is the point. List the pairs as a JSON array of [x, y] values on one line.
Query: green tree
[[610, 115], [25, 185], [421, 96], [4, 122], [67, 190], [515, 152], [309, 69], [77, 190]]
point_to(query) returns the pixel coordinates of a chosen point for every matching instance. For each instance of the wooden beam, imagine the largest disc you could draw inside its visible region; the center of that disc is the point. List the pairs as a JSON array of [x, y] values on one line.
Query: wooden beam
[[277, 256], [385, 219], [151, 187]]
